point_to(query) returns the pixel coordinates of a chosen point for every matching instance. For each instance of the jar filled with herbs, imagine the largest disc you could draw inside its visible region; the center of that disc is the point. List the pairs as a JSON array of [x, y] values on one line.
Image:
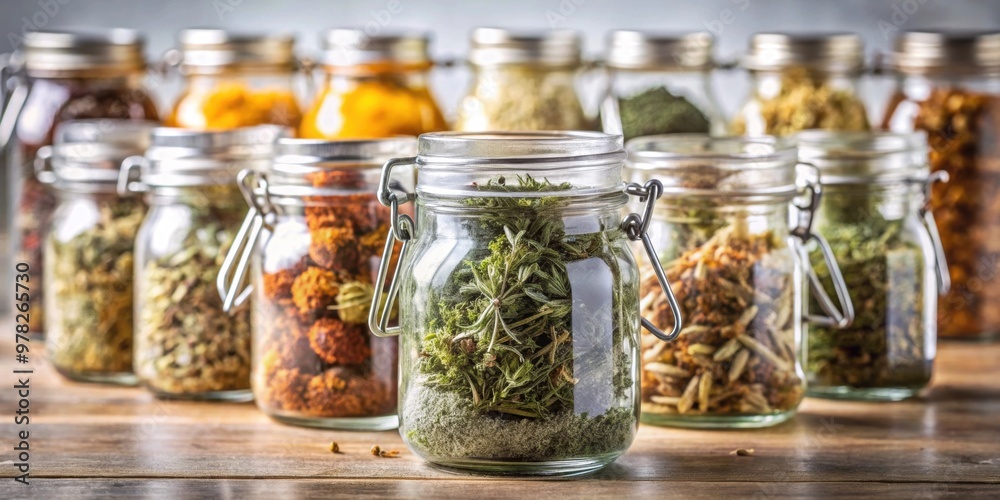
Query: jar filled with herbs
[[874, 213], [802, 82], [659, 84], [314, 238], [88, 250], [59, 76], [186, 346], [733, 262], [522, 82], [518, 301], [375, 86], [948, 85], [235, 80]]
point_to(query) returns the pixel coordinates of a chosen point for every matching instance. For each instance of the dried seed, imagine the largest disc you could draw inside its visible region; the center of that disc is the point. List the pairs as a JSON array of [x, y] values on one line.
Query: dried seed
[[764, 352], [665, 400], [669, 370], [694, 329], [334, 447], [389, 453], [690, 393], [731, 347], [739, 363], [704, 390], [704, 349], [748, 316], [376, 450], [742, 452]]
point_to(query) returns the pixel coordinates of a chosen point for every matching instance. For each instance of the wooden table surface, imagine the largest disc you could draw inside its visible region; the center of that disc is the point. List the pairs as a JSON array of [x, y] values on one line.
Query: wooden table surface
[[92, 441]]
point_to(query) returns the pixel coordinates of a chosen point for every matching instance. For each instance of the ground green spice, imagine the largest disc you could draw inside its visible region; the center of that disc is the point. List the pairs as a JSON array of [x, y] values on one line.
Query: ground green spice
[[535, 333], [657, 111], [884, 269]]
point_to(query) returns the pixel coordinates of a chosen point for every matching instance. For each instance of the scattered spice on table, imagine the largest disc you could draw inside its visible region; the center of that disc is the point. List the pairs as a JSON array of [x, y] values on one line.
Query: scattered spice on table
[[334, 447], [657, 111], [90, 327], [515, 362], [805, 101]]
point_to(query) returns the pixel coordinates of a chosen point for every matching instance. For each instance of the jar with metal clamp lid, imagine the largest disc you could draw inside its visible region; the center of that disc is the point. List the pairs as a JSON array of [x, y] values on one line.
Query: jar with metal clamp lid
[[875, 216], [948, 86], [374, 86], [659, 84], [739, 272], [518, 300], [802, 82], [88, 250], [59, 76], [235, 80], [523, 81], [186, 346], [313, 238]]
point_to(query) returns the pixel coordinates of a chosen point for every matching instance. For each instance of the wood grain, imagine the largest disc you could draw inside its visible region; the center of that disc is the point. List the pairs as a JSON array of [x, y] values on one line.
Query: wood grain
[[92, 441]]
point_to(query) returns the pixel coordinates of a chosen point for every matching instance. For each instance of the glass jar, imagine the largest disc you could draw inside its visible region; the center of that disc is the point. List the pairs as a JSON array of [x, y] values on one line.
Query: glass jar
[[874, 215], [375, 86], [186, 346], [659, 84], [315, 232], [88, 250], [522, 82], [948, 85], [802, 82], [518, 301], [235, 80], [61, 76], [732, 258]]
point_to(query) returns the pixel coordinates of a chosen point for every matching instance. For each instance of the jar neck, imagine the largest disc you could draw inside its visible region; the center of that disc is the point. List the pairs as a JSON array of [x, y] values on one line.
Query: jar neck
[[772, 81], [127, 81], [864, 203], [919, 86], [524, 70], [209, 197]]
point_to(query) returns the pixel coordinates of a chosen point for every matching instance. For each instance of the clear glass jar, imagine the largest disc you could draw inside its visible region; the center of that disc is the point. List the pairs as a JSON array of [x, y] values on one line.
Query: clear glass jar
[[660, 84], [88, 251], [236, 80], [948, 86], [518, 302], [375, 86], [314, 264], [62, 76], [874, 215], [186, 346], [522, 82], [802, 82], [732, 258]]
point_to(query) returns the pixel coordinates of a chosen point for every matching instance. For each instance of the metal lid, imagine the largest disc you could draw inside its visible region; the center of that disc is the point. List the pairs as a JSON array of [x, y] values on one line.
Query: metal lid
[[923, 52], [351, 47], [643, 50], [834, 52], [91, 151], [316, 167], [865, 157], [110, 52], [180, 157], [700, 165], [206, 51], [500, 46]]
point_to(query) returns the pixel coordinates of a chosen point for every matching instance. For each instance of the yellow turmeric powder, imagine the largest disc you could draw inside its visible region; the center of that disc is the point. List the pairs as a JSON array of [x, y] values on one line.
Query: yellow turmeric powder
[[229, 105]]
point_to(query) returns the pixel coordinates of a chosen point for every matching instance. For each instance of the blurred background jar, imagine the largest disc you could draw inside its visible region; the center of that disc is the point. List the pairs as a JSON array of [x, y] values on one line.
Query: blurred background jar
[[874, 213], [730, 254], [314, 265], [374, 86], [801, 82], [61, 76], [235, 80], [948, 85], [186, 346], [660, 84], [522, 81], [88, 250]]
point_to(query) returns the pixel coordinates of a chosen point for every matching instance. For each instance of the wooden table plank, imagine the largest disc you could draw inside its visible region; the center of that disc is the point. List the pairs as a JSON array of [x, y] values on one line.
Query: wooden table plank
[[92, 440]]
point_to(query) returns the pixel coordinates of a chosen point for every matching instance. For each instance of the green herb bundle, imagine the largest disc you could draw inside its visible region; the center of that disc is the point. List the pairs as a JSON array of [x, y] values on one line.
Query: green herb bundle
[[534, 335]]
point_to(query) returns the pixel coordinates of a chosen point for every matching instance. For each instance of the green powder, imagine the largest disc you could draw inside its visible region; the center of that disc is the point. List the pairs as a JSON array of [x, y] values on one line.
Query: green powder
[[657, 111]]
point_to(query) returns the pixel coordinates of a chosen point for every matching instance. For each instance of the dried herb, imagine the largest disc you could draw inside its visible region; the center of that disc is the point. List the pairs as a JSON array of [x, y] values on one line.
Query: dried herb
[[186, 346], [521, 98], [319, 359], [805, 101], [883, 267], [527, 347], [90, 285], [736, 353], [657, 111], [334, 447]]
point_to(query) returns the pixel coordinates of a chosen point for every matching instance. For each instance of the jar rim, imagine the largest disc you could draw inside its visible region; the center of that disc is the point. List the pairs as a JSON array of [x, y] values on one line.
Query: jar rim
[[450, 149], [650, 50], [105, 52], [347, 47], [91, 151], [210, 51], [833, 52], [946, 52], [495, 46]]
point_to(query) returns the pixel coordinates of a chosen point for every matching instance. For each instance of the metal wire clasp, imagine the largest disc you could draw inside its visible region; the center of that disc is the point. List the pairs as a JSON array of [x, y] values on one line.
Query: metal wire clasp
[[802, 234], [402, 228], [930, 225], [635, 226], [233, 286]]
